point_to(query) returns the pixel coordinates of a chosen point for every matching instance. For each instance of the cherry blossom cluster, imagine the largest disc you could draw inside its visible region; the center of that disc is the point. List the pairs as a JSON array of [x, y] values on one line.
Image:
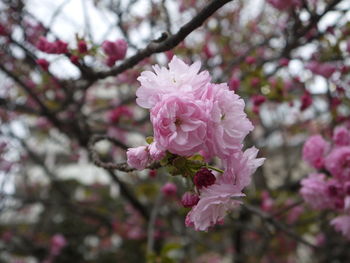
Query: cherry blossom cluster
[[56, 47], [195, 120], [329, 187]]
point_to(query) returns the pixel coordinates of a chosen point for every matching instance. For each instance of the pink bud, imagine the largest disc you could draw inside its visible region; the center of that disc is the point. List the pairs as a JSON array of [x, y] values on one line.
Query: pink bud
[[189, 199], [258, 99], [152, 173], [43, 63], [61, 47], [306, 101], [115, 50], [74, 59], [234, 84], [138, 157], [169, 189], [156, 153], [82, 47]]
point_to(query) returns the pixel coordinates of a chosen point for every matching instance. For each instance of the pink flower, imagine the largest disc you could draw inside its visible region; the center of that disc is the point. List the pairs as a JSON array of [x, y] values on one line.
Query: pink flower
[[179, 125], [169, 189], [314, 190], [323, 69], [155, 153], [58, 242], [241, 165], [342, 224], [314, 151], [179, 79], [228, 124], [138, 157], [338, 163], [341, 136], [217, 199]]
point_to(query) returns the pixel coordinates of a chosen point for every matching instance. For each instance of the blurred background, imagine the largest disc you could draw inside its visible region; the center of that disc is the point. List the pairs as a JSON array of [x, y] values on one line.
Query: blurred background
[[289, 61]]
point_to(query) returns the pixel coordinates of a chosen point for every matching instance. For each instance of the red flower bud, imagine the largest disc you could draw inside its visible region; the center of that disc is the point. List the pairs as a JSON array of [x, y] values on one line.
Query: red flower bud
[[204, 178], [43, 63], [189, 199]]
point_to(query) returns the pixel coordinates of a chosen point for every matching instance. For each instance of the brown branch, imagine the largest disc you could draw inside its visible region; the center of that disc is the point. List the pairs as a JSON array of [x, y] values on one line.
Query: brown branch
[[124, 167], [169, 43], [11, 106], [44, 110]]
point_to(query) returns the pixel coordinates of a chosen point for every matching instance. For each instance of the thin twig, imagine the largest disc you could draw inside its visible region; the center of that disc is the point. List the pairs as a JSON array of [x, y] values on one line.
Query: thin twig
[[169, 43]]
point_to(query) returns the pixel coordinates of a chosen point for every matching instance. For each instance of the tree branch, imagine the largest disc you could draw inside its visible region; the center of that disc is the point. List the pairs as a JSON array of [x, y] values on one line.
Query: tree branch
[[169, 43]]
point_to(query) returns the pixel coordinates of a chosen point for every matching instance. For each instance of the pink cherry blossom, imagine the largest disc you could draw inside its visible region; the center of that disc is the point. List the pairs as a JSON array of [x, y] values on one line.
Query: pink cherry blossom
[[314, 151], [179, 125], [215, 201], [341, 136], [240, 166], [338, 162], [180, 78], [323, 69], [314, 190], [228, 124], [219, 198], [342, 224], [138, 157]]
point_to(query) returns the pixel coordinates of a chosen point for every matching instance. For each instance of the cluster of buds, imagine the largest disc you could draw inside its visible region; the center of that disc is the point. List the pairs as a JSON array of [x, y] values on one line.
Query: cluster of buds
[[56, 47]]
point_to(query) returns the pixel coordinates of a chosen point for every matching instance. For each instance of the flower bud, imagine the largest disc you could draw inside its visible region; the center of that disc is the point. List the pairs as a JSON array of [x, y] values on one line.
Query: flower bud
[[189, 199], [169, 189], [203, 178]]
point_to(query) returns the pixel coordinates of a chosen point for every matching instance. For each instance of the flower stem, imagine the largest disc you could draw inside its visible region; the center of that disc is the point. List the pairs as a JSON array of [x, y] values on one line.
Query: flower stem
[[214, 168]]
